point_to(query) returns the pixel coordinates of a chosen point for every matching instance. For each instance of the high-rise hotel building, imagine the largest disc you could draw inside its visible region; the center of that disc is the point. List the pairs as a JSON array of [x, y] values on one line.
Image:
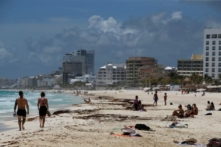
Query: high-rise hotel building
[[212, 53]]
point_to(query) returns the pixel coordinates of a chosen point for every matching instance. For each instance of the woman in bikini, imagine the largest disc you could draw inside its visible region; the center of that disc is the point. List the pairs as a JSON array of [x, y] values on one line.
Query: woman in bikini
[[43, 108]]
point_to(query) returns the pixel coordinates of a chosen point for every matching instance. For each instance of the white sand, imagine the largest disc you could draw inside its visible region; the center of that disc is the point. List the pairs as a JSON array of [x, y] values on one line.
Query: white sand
[[63, 130]]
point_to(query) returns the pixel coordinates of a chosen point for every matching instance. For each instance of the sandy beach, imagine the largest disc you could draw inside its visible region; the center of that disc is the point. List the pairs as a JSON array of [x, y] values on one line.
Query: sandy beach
[[94, 124]]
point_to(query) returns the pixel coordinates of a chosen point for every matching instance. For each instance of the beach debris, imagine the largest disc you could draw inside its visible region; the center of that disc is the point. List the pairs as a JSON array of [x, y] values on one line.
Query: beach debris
[[61, 111]]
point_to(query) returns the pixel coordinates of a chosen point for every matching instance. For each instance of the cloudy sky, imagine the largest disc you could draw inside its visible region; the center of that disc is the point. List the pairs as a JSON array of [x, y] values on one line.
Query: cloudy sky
[[35, 34]]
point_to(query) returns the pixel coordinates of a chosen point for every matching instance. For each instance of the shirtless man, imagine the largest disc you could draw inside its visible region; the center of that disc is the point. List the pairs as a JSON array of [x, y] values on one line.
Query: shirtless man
[[21, 112]]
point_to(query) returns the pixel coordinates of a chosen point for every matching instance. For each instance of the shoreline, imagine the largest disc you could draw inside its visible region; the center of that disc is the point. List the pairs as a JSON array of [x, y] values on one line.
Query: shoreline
[[109, 111]]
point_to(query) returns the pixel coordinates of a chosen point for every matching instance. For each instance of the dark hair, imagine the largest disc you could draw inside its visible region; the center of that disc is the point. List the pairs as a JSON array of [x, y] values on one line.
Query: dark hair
[[208, 102], [136, 96], [180, 106], [42, 94], [194, 105], [139, 102], [20, 93]]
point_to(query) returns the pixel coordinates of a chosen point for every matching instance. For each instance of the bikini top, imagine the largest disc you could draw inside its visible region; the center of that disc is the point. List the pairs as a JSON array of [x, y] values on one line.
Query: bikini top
[[42, 101]]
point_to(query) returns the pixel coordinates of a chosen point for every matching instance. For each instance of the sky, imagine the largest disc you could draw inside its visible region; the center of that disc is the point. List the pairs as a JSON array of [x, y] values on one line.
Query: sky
[[34, 35]]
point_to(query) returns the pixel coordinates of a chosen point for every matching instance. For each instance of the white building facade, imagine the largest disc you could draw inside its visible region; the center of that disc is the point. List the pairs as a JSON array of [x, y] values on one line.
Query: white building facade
[[212, 53], [111, 74]]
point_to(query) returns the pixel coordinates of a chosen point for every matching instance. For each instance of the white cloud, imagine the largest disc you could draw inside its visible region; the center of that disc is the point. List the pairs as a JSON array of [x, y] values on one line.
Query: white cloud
[[176, 15], [3, 52]]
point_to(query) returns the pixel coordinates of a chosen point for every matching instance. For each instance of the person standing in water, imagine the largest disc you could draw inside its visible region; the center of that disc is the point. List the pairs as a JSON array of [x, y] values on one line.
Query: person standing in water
[[165, 99], [43, 109], [22, 104]]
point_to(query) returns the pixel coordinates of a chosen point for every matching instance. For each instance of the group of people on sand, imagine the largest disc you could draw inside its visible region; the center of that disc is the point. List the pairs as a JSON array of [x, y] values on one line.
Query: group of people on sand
[[138, 105], [210, 106], [155, 98], [22, 104], [189, 112]]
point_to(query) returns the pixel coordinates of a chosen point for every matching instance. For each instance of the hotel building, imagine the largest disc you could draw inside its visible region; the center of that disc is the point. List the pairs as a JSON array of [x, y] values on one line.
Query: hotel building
[[111, 74], [186, 67], [212, 53]]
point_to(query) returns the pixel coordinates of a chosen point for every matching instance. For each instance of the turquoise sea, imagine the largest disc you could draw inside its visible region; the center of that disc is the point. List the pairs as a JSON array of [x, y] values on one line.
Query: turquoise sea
[[56, 101]]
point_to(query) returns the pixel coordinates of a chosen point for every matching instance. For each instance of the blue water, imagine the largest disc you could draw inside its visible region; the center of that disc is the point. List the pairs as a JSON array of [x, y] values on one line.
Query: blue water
[[56, 101]]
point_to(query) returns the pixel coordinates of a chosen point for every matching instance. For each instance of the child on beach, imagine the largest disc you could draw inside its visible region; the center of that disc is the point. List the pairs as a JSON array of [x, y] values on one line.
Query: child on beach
[[165, 99]]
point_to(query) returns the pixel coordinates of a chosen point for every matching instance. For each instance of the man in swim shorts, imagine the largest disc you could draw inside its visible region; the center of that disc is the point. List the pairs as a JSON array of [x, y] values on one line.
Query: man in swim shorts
[[21, 112]]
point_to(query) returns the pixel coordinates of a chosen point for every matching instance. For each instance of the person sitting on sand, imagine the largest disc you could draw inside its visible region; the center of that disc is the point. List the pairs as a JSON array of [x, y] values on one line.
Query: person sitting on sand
[[195, 109], [179, 113], [208, 106], [140, 106], [212, 106], [188, 111], [87, 100], [192, 111], [136, 103]]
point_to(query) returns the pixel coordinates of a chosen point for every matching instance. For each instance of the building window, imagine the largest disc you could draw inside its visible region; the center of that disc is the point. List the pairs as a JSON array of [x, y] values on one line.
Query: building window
[[213, 64], [207, 42], [213, 69], [219, 36], [207, 36], [214, 54], [213, 75], [219, 53], [219, 69], [214, 42], [219, 64], [213, 58], [219, 47], [220, 42], [207, 64], [207, 48], [206, 70], [207, 53], [219, 58], [214, 48], [214, 36], [207, 58]]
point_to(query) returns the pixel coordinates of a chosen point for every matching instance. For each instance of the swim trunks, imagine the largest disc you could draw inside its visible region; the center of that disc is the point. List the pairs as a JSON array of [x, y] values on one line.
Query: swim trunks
[[21, 112], [43, 111]]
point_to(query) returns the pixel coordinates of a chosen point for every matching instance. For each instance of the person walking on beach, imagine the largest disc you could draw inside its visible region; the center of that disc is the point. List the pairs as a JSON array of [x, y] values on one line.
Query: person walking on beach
[[21, 112], [155, 98], [43, 109], [165, 99]]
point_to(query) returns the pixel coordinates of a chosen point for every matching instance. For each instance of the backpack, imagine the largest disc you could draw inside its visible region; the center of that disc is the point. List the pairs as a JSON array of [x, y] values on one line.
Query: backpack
[[214, 142], [142, 127]]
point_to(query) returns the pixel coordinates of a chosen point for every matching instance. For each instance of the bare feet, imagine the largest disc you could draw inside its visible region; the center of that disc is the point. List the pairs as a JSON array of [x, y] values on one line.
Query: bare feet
[[23, 127]]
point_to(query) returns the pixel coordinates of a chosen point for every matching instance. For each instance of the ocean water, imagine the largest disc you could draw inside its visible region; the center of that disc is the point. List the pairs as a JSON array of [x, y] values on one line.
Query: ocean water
[[56, 101]]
